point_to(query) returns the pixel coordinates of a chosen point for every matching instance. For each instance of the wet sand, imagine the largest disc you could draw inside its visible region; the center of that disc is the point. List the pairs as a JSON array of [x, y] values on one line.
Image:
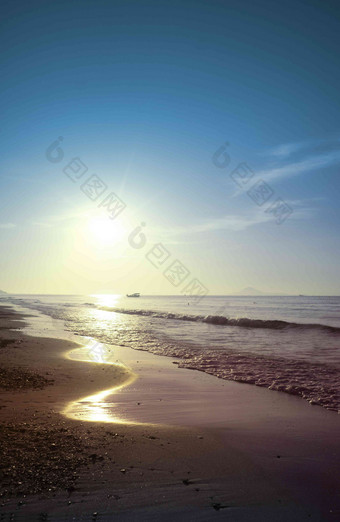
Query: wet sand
[[187, 445]]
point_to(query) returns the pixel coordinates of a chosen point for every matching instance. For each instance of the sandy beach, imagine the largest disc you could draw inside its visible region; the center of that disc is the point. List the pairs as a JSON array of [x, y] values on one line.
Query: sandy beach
[[180, 445]]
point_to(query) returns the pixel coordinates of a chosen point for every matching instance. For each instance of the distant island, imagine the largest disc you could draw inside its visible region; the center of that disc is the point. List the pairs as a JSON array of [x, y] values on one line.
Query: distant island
[[3, 293]]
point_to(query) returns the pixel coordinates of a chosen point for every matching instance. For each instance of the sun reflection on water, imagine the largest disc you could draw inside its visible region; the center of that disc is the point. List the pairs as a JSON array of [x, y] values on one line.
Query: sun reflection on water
[[110, 300], [96, 408]]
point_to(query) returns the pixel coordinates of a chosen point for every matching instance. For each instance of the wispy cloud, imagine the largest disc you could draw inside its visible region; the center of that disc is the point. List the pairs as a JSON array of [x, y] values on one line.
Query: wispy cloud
[[300, 167], [41, 224], [305, 148], [284, 150], [230, 222], [293, 159], [69, 218], [7, 225], [303, 210]]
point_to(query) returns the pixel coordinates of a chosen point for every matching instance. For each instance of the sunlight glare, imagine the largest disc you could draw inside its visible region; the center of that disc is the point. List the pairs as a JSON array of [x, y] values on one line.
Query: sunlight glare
[[104, 231]]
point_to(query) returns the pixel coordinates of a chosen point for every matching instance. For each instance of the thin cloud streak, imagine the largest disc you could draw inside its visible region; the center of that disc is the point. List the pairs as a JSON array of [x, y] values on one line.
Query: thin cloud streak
[[300, 167], [305, 147], [284, 150], [7, 226], [303, 210], [293, 159]]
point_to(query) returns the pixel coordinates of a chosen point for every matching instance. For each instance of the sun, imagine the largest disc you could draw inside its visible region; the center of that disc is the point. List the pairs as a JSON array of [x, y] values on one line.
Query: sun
[[104, 231]]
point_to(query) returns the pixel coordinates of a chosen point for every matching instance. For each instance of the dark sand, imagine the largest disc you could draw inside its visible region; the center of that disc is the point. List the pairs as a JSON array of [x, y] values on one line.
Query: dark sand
[[228, 451]]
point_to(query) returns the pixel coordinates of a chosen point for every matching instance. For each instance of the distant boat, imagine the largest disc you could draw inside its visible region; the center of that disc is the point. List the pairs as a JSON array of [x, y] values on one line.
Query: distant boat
[[137, 294]]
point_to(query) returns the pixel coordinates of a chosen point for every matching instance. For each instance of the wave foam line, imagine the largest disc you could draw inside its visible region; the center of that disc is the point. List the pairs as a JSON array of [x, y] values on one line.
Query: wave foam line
[[243, 322]]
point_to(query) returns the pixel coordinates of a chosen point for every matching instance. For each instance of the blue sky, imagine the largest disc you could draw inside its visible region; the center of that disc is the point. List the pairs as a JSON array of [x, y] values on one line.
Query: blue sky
[[145, 93]]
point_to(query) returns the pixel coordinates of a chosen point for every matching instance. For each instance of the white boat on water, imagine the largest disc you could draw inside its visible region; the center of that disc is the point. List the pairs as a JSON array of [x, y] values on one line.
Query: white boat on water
[[137, 294]]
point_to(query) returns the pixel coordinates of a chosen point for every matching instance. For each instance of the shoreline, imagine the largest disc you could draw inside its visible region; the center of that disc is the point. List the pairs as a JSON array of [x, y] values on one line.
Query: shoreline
[[91, 407], [190, 469], [312, 378]]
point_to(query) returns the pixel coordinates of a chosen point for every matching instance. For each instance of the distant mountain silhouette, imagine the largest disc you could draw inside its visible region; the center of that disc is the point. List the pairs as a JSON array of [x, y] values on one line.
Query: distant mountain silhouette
[[2, 292], [250, 291]]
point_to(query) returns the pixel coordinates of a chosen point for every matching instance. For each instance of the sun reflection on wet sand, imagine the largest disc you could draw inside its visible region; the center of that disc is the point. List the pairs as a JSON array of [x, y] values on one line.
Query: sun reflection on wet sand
[[95, 408]]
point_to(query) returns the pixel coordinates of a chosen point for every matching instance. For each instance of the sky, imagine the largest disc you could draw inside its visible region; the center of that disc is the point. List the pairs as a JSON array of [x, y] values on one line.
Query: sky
[[200, 142]]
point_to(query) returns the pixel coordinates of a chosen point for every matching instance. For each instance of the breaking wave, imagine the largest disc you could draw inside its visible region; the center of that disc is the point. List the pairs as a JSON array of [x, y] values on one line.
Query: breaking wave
[[221, 320]]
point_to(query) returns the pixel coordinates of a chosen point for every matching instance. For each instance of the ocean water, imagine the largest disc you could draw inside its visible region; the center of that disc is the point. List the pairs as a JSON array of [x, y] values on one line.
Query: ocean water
[[289, 344]]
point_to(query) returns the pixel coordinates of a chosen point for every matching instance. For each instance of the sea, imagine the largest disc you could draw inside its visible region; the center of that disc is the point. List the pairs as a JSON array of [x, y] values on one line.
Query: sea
[[286, 343]]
